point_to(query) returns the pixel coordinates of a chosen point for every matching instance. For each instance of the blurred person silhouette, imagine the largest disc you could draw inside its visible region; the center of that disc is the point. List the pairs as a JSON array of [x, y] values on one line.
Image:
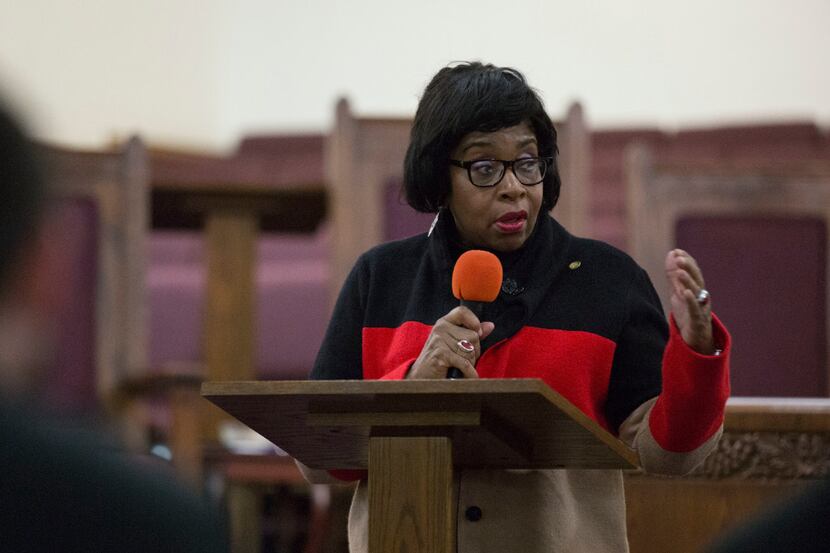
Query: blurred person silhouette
[[66, 487], [798, 524]]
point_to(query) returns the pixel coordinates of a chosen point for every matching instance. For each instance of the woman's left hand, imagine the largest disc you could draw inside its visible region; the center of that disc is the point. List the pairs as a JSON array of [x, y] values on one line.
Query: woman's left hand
[[693, 317]]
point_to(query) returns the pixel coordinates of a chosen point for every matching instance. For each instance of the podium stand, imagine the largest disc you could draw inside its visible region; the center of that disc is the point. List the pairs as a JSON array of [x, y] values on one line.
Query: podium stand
[[412, 434]]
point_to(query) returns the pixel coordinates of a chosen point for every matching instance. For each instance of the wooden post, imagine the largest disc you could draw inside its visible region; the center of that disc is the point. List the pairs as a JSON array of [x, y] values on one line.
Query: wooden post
[[245, 514], [411, 495], [229, 318]]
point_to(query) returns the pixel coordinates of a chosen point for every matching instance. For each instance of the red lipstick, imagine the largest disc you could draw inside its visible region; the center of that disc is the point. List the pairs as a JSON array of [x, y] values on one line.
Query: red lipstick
[[512, 222]]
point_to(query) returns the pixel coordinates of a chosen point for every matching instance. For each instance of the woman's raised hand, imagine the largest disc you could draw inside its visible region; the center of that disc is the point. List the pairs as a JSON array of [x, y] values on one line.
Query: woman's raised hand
[[455, 341], [690, 301]]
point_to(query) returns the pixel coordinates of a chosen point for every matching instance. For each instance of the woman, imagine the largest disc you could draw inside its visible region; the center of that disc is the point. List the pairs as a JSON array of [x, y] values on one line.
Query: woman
[[576, 313]]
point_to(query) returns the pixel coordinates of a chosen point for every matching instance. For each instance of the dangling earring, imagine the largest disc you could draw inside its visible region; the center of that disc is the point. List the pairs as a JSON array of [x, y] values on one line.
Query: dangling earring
[[434, 222]]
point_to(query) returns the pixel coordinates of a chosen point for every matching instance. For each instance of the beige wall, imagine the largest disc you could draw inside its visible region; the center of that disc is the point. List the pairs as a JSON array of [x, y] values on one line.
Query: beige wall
[[200, 73]]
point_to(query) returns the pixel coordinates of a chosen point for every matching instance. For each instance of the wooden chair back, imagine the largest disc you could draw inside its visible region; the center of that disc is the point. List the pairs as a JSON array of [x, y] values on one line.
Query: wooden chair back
[[103, 198], [759, 229]]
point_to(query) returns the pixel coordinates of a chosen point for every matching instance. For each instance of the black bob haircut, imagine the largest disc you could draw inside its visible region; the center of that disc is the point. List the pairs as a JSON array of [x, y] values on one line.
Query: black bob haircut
[[466, 98]]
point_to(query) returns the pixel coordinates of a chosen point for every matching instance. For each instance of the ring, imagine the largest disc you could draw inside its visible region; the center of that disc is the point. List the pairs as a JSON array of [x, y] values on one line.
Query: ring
[[466, 346], [703, 296]]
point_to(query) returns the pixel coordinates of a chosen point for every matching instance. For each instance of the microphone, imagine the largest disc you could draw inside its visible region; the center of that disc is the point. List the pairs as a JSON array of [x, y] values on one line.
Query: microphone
[[476, 280]]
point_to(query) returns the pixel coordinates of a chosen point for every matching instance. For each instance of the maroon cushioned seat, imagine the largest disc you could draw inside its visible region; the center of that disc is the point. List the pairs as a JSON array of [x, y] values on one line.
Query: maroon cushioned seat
[[769, 276], [71, 381]]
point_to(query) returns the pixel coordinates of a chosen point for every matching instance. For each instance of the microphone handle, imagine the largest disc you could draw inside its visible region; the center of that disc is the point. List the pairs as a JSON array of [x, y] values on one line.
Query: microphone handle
[[477, 307]]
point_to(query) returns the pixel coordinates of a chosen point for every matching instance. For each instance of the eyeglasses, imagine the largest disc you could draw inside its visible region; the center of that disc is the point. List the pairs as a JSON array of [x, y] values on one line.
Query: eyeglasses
[[485, 173]]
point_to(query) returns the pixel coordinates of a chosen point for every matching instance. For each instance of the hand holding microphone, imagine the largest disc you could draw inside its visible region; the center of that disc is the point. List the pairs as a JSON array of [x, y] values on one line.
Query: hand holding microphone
[[453, 345]]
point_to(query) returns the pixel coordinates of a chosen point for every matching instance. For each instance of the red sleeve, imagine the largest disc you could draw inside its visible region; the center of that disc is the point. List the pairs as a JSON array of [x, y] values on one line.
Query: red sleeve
[[399, 372], [695, 388]]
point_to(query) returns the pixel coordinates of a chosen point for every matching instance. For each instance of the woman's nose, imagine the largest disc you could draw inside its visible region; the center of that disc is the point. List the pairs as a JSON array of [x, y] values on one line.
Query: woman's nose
[[510, 185]]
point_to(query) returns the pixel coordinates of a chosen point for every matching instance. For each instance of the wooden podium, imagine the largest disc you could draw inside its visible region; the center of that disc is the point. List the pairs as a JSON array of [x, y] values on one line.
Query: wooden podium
[[412, 434]]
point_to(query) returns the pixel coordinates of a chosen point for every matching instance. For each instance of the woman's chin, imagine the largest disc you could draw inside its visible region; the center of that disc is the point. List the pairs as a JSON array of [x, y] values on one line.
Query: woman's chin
[[507, 242]]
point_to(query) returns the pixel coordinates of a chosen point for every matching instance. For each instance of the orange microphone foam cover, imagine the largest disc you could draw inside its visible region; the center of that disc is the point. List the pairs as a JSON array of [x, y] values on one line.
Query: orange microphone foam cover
[[477, 276]]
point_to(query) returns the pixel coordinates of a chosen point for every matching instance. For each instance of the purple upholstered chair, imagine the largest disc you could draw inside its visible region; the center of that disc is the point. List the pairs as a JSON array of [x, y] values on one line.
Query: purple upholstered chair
[[760, 232], [101, 200]]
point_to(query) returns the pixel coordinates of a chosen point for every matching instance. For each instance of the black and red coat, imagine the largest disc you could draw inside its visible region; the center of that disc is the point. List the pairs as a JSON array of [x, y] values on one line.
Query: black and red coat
[[577, 313]]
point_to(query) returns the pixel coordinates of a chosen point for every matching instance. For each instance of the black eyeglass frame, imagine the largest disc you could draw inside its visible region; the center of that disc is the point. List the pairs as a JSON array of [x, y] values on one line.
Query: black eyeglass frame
[[506, 164]]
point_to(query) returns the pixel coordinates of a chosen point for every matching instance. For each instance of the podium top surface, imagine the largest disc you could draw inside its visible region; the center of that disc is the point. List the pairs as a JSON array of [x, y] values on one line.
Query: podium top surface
[[493, 423]]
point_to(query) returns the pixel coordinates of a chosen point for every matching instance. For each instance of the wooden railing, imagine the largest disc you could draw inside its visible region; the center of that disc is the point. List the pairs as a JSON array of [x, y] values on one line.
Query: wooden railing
[[771, 448]]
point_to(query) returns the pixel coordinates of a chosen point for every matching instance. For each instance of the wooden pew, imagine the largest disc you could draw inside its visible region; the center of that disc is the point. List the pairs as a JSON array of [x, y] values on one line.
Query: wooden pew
[[785, 143]]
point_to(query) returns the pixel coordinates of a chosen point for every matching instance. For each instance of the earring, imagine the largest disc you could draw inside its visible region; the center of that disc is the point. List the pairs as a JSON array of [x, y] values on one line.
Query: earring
[[434, 222]]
